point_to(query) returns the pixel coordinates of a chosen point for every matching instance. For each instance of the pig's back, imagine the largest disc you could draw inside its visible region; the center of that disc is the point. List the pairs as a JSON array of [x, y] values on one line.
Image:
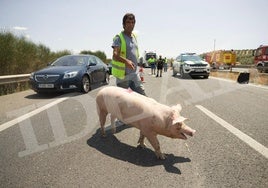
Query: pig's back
[[128, 100], [122, 95]]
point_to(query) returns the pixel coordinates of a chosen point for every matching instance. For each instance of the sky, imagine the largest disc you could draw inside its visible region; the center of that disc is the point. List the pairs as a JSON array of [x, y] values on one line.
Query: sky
[[168, 27]]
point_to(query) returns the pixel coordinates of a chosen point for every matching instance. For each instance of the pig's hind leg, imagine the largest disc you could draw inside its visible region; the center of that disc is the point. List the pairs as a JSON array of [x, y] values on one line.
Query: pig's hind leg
[[102, 118]]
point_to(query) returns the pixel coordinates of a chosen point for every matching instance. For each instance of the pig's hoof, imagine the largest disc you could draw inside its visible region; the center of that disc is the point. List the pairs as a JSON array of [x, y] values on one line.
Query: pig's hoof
[[161, 156], [142, 146], [120, 123]]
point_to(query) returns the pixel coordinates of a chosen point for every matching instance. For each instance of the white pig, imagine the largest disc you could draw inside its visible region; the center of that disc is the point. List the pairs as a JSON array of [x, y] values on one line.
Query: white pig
[[144, 113]]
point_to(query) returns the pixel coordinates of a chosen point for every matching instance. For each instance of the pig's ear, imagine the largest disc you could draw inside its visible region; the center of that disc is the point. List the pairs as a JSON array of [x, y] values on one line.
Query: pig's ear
[[179, 120], [177, 107]]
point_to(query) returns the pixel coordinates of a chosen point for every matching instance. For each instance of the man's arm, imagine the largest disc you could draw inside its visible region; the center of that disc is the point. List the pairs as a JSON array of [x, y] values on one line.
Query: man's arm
[[117, 57]]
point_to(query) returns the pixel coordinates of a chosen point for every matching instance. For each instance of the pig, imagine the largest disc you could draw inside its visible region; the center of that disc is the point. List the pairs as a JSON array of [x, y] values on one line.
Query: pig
[[146, 114]]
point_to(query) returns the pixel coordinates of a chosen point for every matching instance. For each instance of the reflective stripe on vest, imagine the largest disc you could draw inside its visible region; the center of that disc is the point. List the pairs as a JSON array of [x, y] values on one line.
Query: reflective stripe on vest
[[119, 68]]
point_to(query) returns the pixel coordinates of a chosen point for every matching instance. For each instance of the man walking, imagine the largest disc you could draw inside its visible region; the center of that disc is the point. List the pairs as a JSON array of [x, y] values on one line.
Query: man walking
[[125, 57]]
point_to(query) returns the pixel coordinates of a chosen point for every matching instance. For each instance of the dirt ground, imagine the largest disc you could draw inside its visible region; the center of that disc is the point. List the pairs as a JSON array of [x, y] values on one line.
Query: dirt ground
[[254, 77]]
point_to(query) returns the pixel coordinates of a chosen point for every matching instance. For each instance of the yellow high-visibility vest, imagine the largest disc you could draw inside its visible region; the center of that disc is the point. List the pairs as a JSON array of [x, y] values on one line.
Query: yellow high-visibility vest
[[119, 68], [151, 60]]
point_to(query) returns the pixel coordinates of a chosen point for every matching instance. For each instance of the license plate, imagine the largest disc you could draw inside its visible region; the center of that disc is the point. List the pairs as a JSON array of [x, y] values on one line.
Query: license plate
[[199, 70], [46, 85]]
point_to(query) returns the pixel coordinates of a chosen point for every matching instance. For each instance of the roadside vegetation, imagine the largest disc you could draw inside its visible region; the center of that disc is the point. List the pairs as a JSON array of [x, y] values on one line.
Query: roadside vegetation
[[18, 55]]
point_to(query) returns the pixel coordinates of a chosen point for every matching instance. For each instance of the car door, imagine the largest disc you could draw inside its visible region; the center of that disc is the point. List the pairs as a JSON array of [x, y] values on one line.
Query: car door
[[95, 69], [101, 69]]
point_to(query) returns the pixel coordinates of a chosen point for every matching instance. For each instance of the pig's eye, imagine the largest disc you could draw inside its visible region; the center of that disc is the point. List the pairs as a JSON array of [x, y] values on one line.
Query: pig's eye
[[178, 126]]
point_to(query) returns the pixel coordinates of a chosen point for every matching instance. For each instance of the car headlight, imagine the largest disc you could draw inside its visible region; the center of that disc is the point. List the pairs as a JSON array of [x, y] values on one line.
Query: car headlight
[[186, 65], [208, 66], [70, 74]]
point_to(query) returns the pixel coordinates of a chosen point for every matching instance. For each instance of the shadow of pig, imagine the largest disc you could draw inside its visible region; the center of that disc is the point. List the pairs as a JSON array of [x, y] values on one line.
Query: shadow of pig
[[112, 147]]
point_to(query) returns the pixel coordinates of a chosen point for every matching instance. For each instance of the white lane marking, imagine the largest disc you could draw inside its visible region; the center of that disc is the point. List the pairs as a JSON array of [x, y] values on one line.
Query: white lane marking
[[242, 136], [30, 114]]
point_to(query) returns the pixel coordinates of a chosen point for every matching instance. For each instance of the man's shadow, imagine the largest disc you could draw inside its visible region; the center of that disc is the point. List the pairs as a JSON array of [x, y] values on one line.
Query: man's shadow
[[112, 147]]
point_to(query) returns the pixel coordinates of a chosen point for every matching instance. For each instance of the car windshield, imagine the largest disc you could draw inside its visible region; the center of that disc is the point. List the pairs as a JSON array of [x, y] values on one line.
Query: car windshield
[[71, 61], [190, 58]]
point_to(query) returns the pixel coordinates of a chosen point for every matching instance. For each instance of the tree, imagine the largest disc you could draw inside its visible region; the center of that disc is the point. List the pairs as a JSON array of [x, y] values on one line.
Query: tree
[[7, 49], [18, 55], [99, 54]]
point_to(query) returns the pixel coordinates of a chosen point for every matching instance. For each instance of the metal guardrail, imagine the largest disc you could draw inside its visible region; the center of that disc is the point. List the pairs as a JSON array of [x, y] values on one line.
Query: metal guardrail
[[14, 78], [245, 66]]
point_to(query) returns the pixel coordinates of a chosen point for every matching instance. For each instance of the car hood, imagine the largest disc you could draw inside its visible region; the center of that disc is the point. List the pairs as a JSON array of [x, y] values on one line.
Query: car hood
[[58, 69], [196, 62]]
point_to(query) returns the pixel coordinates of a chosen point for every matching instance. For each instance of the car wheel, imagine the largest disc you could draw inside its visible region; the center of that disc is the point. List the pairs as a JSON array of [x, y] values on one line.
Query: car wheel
[[174, 72], [107, 78], [182, 73], [85, 86], [260, 68]]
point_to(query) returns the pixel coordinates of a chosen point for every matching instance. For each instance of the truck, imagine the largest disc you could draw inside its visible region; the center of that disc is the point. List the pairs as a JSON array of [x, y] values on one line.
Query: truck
[[261, 58], [222, 59], [146, 56]]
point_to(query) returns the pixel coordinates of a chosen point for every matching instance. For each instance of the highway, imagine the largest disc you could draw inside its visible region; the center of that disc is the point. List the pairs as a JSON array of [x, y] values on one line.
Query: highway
[[54, 140]]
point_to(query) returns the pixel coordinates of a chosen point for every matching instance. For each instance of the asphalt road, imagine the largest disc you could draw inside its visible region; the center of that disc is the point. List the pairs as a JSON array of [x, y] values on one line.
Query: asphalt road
[[54, 141]]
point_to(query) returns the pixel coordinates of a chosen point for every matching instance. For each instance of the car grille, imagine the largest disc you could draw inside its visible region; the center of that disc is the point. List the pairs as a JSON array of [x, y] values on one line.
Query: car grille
[[46, 78], [198, 65]]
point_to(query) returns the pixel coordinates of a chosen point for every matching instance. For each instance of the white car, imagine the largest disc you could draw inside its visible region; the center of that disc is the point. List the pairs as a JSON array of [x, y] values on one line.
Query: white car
[[189, 65]]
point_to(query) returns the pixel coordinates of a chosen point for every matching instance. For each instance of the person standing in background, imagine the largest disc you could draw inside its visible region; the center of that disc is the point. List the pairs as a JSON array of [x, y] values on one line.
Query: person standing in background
[[165, 64], [151, 62], [160, 64]]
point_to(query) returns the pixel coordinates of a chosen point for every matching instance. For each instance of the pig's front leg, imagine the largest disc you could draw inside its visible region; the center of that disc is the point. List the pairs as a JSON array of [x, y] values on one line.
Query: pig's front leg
[[155, 143], [141, 141]]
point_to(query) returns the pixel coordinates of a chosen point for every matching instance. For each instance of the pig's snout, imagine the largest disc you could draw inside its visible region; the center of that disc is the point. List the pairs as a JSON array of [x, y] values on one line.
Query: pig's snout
[[187, 130], [191, 133]]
